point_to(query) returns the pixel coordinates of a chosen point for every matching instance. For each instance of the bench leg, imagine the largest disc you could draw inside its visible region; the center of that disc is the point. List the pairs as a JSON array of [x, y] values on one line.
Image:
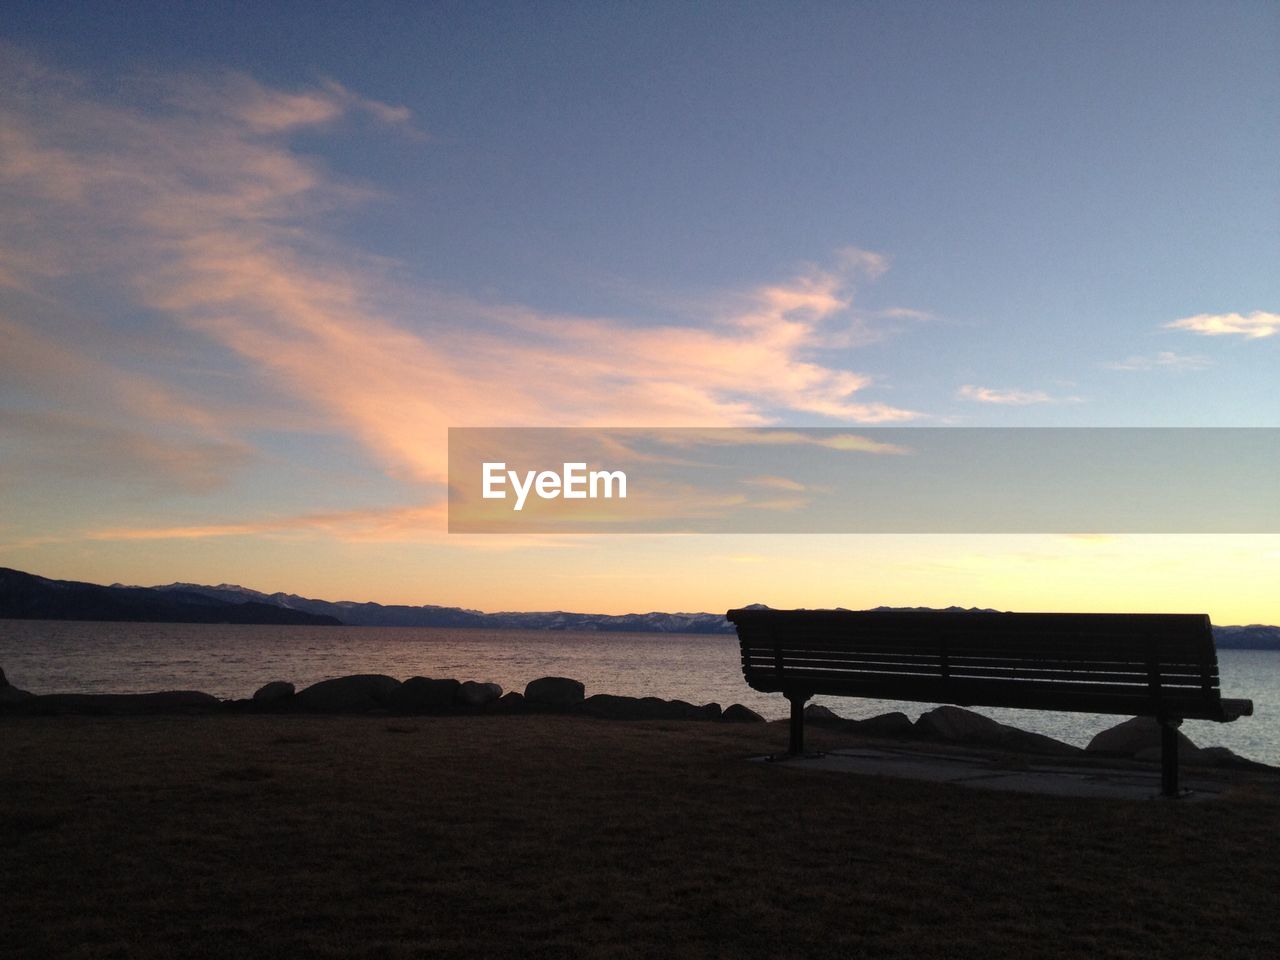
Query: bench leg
[[796, 747], [1169, 757]]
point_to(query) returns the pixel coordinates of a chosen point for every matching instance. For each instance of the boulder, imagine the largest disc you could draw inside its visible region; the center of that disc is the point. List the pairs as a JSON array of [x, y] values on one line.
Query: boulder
[[360, 693], [956, 725], [10, 693], [737, 713], [273, 693], [1225, 757], [895, 724], [610, 707], [122, 704], [506, 704], [556, 692], [1193, 756], [425, 695], [1139, 738], [473, 694], [823, 716]]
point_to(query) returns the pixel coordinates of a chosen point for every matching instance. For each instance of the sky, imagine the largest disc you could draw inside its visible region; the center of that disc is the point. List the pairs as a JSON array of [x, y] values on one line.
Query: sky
[[256, 260]]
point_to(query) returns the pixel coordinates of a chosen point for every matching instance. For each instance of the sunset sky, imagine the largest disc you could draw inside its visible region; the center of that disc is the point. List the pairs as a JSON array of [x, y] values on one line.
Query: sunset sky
[[255, 260]]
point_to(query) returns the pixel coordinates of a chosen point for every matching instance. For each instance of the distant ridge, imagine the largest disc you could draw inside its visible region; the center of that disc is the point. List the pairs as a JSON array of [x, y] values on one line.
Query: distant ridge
[[231, 603], [368, 614], [29, 597]]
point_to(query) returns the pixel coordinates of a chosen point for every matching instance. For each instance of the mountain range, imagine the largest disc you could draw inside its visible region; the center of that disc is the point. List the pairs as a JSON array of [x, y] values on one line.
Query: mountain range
[[27, 596]]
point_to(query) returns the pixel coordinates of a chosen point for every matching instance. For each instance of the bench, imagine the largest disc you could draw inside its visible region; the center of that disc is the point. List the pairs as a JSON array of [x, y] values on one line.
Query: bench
[[1135, 664]]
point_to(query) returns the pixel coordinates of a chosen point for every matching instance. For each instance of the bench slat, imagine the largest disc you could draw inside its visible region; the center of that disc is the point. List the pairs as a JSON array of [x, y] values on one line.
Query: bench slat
[[920, 656], [1083, 676], [977, 645], [1109, 647], [1021, 667]]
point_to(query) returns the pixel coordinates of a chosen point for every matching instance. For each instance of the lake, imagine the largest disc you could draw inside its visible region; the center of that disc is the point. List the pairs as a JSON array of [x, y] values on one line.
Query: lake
[[229, 661]]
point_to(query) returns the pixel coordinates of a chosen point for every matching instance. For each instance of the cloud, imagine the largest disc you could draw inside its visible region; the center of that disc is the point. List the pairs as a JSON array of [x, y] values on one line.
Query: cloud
[[1164, 360], [49, 445], [1013, 398], [775, 483], [1253, 326], [188, 201], [363, 525], [832, 440]]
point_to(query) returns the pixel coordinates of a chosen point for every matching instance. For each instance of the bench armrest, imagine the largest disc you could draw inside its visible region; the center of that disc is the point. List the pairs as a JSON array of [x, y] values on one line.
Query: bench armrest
[[1234, 709]]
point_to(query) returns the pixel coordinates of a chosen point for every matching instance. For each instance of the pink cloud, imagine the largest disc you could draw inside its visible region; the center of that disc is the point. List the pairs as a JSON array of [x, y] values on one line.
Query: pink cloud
[[204, 214]]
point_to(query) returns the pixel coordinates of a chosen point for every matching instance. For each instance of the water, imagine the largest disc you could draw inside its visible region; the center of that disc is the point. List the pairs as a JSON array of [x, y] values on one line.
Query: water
[[232, 661]]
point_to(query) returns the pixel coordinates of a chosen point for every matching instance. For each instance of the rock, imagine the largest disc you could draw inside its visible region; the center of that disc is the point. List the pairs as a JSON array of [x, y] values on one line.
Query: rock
[[609, 707], [1220, 756], [1139, 738], [10, 693], [1193, 756], [737, 713], [956, 725], [473, 694], [508, 703], [273, 693], [895, 724], [823, 716], [425, 695], [1224, 757], [122, 704], [556, 692], [355, 694]]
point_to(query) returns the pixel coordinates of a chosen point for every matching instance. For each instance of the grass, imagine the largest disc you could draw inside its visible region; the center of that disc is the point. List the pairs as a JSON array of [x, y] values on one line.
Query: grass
[[542, 836]]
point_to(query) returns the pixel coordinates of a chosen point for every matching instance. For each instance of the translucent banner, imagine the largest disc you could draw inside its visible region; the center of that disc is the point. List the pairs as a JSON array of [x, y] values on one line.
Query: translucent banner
[[876, 480]]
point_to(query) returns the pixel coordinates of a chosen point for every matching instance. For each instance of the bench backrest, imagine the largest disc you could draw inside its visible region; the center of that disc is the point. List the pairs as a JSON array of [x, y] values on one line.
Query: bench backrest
[[1153, 664]]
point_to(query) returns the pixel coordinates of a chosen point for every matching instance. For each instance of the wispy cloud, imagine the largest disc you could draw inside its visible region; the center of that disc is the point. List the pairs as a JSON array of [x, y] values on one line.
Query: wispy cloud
[[377, 525], [44, 445], [1251, 326], [775, 483], [200, 209], [1164, 360], [1012, 398], [744, 437]]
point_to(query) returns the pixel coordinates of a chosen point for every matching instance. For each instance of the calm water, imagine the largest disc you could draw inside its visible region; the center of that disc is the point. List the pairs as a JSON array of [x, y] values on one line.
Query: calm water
[[233, 661]]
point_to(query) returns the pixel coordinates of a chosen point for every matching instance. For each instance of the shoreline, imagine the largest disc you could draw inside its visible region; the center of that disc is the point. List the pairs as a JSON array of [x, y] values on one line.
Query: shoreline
[[378, 695]]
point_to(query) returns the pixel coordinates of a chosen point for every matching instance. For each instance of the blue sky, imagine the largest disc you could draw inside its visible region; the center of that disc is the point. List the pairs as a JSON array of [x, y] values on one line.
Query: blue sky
[[263, 255]]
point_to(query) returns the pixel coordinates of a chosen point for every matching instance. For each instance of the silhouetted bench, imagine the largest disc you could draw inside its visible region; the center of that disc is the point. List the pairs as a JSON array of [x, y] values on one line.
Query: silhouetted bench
[[1136, 664]]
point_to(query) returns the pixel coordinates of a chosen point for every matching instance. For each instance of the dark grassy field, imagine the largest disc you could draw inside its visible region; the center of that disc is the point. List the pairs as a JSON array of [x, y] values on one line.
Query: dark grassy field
[[564, 837]]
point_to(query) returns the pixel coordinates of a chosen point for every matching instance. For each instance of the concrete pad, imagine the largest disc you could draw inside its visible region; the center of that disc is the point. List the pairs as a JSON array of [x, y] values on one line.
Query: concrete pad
[[987, 772]]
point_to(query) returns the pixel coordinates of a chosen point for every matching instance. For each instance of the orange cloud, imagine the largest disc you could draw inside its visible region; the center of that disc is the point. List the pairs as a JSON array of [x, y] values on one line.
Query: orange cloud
[[379, 525], [207, 217]]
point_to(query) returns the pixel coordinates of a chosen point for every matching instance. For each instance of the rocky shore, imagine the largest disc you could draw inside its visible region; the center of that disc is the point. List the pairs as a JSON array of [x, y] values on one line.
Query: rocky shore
[[380, 695]]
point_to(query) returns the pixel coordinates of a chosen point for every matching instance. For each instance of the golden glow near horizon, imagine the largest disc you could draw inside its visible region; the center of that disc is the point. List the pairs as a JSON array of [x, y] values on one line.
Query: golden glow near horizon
[[1233, 578]]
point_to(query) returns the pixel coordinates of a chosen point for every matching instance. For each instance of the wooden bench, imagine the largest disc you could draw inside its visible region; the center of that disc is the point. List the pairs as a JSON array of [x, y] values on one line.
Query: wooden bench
[[1135, 664]]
